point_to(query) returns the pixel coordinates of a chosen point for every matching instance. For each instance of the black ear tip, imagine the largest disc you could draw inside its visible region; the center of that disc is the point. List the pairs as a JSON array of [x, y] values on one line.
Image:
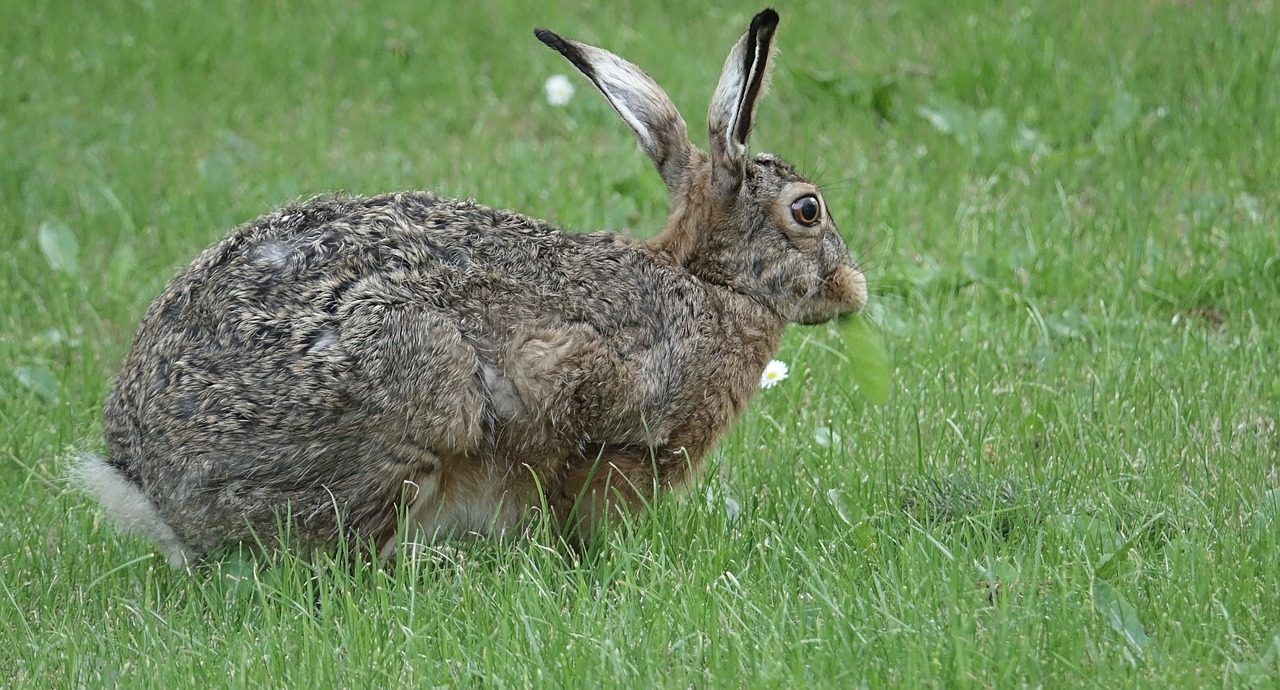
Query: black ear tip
[[767, 17], [566, 48], [548, 38]]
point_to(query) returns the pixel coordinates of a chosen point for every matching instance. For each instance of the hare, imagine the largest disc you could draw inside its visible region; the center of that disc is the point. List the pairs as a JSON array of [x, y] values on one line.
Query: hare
[[410, 367]]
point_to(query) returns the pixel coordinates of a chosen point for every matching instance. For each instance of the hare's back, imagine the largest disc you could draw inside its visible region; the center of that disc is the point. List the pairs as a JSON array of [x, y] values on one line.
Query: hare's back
[[299, 268]]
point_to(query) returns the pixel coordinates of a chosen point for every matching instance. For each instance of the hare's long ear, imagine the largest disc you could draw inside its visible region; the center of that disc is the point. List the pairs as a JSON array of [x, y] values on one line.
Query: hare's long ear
[[733, 107], [638, 99]]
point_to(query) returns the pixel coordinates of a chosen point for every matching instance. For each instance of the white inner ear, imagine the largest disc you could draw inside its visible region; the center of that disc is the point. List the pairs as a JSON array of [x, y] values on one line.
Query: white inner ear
[[756, 62], [618, 80], [731, 144], [726, 103]]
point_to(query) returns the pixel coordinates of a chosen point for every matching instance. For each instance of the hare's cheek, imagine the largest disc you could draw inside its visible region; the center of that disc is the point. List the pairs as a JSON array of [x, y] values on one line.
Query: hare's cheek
[[795, 286]]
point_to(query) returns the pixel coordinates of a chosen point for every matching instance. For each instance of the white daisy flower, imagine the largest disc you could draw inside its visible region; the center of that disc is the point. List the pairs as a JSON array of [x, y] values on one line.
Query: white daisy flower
[[558, 89], [774, 373]]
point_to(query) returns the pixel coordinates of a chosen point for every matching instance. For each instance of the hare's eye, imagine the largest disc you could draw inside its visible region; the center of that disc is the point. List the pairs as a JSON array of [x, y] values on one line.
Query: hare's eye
[[805, 210]]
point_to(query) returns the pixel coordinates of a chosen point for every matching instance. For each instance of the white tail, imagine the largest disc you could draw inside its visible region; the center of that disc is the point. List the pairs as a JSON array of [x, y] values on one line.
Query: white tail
[[130, 510]]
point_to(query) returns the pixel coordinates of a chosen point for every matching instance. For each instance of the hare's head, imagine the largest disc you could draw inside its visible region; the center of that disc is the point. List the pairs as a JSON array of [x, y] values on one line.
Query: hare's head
[[752, 224]]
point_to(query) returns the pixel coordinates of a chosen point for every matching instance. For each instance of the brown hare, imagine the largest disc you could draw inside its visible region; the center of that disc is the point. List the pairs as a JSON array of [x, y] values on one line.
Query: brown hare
[[406, 366]]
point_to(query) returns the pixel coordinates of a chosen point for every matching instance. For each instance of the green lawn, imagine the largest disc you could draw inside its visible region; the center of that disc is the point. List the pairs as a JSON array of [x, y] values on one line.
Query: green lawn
[[1069, 220]]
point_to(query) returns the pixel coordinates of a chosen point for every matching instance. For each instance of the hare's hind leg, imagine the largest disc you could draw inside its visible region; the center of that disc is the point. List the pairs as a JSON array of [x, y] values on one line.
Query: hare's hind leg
[[417, 378], [422, 387], [130, 509]]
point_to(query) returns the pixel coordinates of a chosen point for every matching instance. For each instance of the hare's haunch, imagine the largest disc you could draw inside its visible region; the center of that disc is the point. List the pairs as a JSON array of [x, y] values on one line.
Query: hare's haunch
[[407, 366]]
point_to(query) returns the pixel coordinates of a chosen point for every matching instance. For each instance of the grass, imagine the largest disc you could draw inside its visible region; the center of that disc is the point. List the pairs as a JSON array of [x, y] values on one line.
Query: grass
[[1070, 220]]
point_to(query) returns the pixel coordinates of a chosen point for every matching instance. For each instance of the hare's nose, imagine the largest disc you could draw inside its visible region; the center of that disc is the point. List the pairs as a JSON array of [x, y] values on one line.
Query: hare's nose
[[859, 289], [849, 288]]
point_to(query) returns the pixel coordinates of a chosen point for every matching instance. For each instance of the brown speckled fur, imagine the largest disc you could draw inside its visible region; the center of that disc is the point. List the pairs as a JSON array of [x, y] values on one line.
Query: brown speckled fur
[[325, 362]]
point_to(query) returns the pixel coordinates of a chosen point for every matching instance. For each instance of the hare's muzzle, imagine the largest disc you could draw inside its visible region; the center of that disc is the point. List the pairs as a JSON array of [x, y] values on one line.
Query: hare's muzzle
[[843, 291]]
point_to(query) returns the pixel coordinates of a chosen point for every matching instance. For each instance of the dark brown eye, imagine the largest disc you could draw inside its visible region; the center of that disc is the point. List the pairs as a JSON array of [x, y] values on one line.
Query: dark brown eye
[[806, 210]]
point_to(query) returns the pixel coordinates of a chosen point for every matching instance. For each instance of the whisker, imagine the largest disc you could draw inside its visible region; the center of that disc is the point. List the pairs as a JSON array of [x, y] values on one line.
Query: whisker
[[822, 173], [839, 184]]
